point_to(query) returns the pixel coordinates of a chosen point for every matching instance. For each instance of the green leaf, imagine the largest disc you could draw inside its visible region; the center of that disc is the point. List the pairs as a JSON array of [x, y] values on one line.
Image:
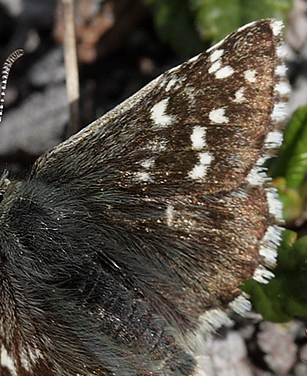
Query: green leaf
[[292, 158], [175, 24], [187, 24], [292, 200], [284, 297], [217, 18]]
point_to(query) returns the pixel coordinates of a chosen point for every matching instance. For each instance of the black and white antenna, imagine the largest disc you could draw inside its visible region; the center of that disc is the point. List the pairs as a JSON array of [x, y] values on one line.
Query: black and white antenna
[[5, 74]]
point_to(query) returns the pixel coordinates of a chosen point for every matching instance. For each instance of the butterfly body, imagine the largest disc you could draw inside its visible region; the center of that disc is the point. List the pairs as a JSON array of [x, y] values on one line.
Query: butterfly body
[[126, 234]]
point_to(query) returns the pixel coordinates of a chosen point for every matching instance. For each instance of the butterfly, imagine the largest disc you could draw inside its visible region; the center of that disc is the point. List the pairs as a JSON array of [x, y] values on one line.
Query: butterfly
[[135, 233]]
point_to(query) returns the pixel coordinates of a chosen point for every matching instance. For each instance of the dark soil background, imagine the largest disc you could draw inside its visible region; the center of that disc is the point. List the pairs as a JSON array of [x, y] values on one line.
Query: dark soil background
[[125, 59], [115, 61]]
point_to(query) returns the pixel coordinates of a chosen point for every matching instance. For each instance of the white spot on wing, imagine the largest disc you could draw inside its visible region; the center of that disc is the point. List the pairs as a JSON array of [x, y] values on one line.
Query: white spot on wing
[[159, 116], [144, 176], [7, 361], [214, 67], [239, 96], [148, 163], [205, 158], [250, 75], [218, 116], [200, 170], [224, 72], [216, 55], [169, 213], [171, 83], [198, 137]]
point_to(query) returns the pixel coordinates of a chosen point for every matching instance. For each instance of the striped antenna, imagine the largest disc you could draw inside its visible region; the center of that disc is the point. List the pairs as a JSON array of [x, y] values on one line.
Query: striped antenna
[[5, 74]]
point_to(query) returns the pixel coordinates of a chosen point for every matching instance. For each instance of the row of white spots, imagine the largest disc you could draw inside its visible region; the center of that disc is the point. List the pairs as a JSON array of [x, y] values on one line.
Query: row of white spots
[[250, 76], [199, 171], [221, 72], [226, 71], [198, 139], [216, 67], [271, 238], [159, 116], [282, 88]]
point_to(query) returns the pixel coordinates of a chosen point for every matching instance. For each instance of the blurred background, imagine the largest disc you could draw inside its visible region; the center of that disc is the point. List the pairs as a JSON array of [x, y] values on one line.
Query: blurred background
[[122, 45]]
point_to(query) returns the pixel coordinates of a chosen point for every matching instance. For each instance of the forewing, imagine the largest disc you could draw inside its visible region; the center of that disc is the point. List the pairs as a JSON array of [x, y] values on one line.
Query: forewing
[[174, 173]]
